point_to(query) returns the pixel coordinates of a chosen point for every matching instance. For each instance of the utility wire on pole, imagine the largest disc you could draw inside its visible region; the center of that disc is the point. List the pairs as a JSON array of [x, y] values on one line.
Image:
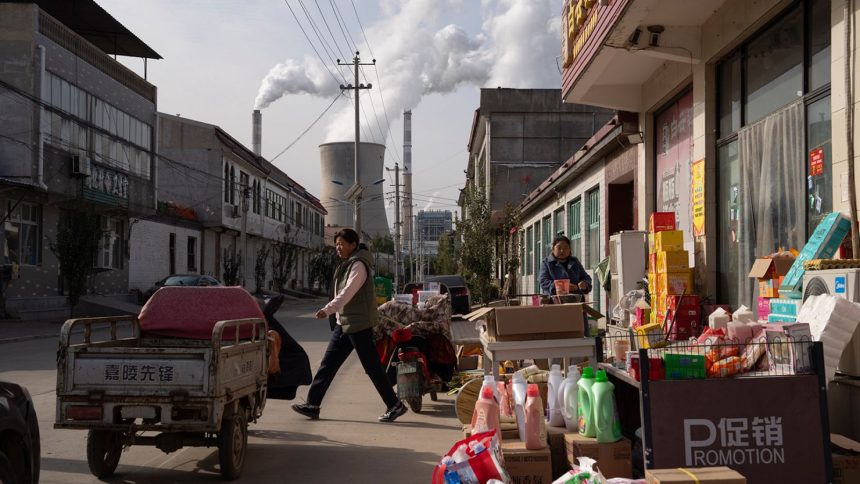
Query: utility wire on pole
[[356, 199], [396, 226]]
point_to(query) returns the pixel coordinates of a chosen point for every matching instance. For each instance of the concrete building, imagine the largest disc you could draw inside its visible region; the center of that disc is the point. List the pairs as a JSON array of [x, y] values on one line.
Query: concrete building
[[430, 225], [337, 176], [519, 137], [235, 203], [76, 133]]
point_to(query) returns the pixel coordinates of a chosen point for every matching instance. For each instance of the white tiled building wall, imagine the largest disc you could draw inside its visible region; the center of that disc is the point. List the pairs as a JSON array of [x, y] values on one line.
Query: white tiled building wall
[[149, 250]]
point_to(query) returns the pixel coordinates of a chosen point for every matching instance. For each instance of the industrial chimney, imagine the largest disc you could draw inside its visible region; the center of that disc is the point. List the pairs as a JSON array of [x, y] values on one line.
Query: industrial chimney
[[406, 199], [257, 132]]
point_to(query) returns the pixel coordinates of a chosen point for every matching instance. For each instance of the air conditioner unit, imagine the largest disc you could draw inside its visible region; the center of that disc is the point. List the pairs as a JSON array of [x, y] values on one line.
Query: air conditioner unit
[[80, 165], [234, 212], [843, 283]]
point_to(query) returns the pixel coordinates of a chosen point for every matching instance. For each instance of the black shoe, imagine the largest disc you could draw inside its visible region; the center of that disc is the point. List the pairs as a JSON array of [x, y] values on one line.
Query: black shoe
[[310, 411], [392, 413]]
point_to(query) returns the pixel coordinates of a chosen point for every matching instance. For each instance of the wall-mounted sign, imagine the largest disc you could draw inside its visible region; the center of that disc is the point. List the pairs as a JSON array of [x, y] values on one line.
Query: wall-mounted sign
[[697, 194], [106, 186], [816, 161], [580, 22]]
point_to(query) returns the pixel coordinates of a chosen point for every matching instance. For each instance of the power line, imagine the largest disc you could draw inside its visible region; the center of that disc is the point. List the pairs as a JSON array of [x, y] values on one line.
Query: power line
[[323, 42], [315, 121], [334, 78]]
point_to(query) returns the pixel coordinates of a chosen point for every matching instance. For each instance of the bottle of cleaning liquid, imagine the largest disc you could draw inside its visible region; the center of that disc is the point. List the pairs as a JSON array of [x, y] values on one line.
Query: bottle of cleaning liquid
[[518, 391], [505, 408], [554, 396], [584, 409], [489, 382], [606, 423], [486, 414], [569, 390], [535, 435]]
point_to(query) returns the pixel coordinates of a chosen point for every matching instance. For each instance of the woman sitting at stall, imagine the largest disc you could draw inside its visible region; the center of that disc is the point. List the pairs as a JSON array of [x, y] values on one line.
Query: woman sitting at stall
[[561, 265]]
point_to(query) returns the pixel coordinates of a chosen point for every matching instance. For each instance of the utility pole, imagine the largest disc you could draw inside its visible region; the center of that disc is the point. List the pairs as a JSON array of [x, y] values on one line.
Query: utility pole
[[356, 63], [396, 226]]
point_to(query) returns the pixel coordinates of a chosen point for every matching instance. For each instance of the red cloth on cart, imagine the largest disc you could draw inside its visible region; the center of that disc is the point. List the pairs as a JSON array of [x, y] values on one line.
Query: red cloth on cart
[[191, 312]]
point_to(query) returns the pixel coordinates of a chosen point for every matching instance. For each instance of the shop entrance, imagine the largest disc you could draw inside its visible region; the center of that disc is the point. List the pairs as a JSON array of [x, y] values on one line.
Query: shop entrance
[[620, 205]]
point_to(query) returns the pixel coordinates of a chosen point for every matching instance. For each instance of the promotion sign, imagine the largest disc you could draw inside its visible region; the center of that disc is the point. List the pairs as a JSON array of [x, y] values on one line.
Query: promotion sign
[[697, 195], [768, 429]]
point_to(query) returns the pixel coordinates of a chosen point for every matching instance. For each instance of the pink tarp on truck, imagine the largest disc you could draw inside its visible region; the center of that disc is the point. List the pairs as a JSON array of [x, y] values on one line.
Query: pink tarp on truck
[[191, 312]]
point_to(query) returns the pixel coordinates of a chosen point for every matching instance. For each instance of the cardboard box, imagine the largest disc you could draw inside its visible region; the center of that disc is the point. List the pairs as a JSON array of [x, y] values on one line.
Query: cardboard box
[[649, 334], [704, 475], [687, 322], [785, 307], [652, 263], [465, 363], [823, 243], [614, 459], [769, 287], [651, 249], [557, 450], [763, 308], [525, 465], [509, 431], [675, 282], [521, 323], [643, 314], [771, 268], [672, 261], [846, 459], [688, 301], [788, 348], [661, 221], [668, 240]]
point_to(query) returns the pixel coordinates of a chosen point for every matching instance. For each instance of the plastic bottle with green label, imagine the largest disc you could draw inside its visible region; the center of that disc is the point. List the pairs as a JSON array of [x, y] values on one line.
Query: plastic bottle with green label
[[584, 408], [606, 423]]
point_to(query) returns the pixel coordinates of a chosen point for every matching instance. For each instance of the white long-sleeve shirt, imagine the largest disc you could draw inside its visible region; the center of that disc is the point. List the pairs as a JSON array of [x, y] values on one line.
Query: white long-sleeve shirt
[[357, 277]]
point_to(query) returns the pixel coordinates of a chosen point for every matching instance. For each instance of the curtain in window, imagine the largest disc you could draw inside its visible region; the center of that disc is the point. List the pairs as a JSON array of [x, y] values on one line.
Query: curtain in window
[[771, 192]]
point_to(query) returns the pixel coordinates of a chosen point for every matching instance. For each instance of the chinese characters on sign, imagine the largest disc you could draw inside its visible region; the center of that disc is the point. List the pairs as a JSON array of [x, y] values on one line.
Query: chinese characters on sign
[[816, 162], [733, 441], [108, 181], [138, 373], [698, 197]]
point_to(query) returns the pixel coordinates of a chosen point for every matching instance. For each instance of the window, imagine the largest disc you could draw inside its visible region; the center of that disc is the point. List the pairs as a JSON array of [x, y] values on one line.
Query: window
[[574, 223], [232, 185], [192, 254], [228, 186], [117, 244], [593, 213], [558, 222], [171, 253], [536, 257], [529, 251], [546, 225], [820, 177], [245, 188], [23, 234], [523, 268]]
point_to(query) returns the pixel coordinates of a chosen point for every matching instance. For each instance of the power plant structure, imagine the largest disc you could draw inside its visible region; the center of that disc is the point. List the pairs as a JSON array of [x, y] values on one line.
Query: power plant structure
[[337, 165], [406, 221]]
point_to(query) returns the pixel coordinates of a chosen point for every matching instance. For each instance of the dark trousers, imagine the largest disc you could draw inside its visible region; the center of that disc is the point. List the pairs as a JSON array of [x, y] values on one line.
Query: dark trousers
[[339, 347]]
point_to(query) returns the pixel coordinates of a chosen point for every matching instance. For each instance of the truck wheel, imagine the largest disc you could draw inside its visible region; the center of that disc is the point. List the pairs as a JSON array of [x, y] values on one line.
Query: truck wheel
[[103, 451], [7, 473], [232, 444], [414, 404]]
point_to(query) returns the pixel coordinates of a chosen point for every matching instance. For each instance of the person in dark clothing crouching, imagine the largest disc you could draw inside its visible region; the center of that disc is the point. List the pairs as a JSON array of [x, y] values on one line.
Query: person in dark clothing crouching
[[355, 306]]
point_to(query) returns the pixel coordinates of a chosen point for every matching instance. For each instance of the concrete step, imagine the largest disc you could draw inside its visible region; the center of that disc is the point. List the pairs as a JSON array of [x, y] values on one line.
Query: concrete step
[[45, 314]]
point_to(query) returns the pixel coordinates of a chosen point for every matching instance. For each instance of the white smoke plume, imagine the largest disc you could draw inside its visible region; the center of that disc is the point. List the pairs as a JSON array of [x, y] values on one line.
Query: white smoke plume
[[417, 55], [430, 203]]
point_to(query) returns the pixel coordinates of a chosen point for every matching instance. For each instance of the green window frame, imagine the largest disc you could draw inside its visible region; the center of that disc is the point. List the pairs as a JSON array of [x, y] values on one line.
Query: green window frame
[[574, 224], [558, 225]]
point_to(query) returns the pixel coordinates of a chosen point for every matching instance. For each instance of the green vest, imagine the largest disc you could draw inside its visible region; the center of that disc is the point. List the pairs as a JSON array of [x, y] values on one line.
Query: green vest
[[360, 312]]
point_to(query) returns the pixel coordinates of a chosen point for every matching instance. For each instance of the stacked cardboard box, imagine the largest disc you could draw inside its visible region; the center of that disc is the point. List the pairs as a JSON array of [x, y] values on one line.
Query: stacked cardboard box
[[614, 459], [770, 272], [669, 272], [524, 465]]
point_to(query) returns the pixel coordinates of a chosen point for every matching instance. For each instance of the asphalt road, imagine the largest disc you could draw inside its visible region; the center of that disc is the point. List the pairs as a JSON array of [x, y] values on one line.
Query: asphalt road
[[347, 444]]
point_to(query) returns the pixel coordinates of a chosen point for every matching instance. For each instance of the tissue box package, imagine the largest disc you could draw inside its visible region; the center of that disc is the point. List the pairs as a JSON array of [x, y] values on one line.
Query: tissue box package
[[833, 321], [788, 349], [823, 243], [785, 307]]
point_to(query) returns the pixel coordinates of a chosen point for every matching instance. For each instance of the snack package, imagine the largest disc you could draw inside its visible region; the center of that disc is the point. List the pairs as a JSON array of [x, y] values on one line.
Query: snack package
[[726, 367], [753, 352]]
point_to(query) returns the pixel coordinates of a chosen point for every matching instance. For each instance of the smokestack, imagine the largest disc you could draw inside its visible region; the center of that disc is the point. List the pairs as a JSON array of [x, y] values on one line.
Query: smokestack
[[406, 200], [257, 131]]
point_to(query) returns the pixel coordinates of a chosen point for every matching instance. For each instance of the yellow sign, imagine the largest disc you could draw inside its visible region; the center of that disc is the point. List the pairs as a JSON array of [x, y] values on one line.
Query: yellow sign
[[697, 195], [580, 23]]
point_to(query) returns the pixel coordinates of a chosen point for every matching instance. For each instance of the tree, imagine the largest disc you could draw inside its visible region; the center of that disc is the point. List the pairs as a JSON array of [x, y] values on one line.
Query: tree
[[231, 264], [260, 268], [284, 254], [446, 260], [476, 255], [322, 267], [76, 247], [510, 256], [382, 244]]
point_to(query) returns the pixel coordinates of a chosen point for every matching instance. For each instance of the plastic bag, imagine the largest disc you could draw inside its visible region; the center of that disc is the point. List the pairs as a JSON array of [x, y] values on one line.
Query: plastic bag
[[480, 466], [584, 473]]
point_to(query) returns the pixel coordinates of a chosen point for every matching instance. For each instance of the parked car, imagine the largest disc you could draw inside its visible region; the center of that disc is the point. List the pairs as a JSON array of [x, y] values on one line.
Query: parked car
[[182, 280], [19, 436], [455, 286]]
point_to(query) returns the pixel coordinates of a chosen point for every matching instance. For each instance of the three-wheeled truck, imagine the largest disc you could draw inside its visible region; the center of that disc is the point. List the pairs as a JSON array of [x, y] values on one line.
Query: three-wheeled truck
[[166, 388]]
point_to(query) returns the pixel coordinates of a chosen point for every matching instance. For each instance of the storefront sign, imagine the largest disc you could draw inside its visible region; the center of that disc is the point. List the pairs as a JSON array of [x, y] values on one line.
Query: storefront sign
[[106, 186], [768, 429], [580, 24], [816, 162], [698, 197]]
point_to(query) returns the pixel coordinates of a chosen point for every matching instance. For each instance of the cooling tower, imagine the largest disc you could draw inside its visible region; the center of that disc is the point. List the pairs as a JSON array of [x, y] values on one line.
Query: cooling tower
[[337, 170]]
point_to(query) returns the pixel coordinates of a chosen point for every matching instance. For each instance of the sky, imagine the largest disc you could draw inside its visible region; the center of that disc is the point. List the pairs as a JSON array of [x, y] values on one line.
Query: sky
[[224, 58]]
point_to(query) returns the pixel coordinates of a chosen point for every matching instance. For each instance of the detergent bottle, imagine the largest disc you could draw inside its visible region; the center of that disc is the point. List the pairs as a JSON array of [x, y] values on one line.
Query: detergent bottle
[[535, 436], [505, 408], [606, 423], [518, 391], [489, 382], [584, 409], [554, 382], [569, 390], [486, 414]]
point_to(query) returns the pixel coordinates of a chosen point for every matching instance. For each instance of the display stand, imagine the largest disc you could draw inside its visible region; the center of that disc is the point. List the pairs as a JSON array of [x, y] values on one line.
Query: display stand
[[495, 351], [768, 428]]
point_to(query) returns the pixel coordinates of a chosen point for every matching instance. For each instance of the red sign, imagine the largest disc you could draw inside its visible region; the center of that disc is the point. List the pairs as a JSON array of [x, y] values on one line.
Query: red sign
[[816, 162]]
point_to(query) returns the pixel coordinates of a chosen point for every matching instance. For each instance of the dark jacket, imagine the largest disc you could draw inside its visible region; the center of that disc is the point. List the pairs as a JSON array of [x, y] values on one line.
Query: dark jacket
[[552, 269], [359, 313]]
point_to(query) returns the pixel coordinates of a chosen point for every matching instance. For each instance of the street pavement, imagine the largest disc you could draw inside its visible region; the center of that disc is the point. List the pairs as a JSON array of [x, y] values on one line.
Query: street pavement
[[347, 444]]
